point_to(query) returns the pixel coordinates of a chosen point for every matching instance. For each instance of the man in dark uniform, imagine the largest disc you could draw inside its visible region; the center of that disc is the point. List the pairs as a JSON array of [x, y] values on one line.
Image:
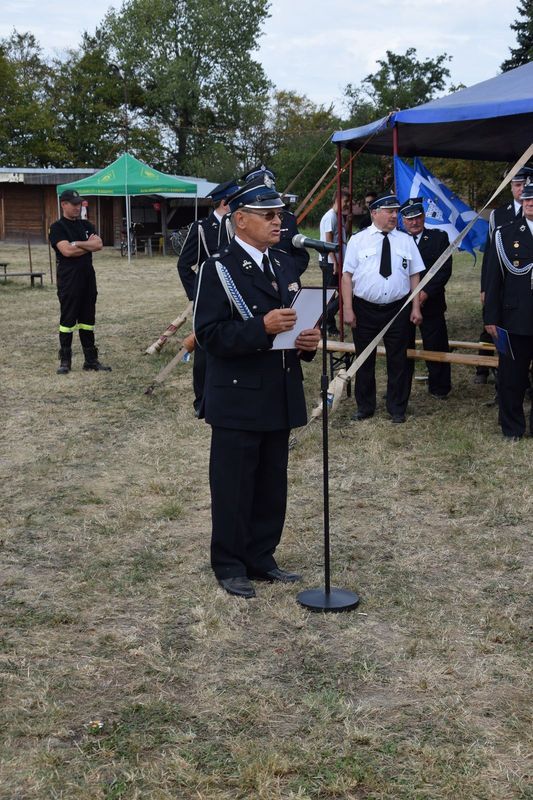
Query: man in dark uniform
[[289, 226], [432, 242], [498, 217], [509, 305], [74, 241], [204, 238], [254, 393]]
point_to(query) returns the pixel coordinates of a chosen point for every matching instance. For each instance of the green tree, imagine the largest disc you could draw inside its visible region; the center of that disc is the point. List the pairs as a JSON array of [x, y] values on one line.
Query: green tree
[[402, 81], [95, 109], [523, 53], [27, 124], [191, 61]]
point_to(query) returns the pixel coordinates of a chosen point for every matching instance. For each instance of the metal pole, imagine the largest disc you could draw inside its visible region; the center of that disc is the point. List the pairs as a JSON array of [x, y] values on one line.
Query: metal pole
[[340, 237]]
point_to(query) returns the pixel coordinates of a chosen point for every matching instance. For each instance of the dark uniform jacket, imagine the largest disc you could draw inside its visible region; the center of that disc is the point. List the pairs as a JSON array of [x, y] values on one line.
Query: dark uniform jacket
[[289, 228], [498, 217], [508, 297], [204, 238], [432, 243], [248, 385]]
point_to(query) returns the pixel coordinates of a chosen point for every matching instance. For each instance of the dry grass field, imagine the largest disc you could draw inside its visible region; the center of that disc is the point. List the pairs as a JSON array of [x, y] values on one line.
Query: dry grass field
[[125, 672]]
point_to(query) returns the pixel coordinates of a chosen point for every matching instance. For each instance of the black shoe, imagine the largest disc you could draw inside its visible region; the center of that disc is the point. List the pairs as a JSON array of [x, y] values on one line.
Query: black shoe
[[398, 418], [438, 396], [96, 366], [239, 586], [91, 360], [360, 415], [276, 574], [65, 360], [511, 438]]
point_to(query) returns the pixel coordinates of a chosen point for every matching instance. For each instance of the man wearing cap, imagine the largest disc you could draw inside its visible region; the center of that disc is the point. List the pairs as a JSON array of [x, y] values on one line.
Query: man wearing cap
[[431, 242], [289, 226], [253, 393], [498, 217], [509, 305], [204, 238], [382, 266], [74, 241]]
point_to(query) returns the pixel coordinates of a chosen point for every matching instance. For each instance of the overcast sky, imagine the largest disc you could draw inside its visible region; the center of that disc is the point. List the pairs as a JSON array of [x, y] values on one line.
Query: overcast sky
[[316, 48]]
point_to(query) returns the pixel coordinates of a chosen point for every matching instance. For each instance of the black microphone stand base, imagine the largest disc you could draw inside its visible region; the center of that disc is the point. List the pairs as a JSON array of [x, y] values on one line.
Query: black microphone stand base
[[335, 600]]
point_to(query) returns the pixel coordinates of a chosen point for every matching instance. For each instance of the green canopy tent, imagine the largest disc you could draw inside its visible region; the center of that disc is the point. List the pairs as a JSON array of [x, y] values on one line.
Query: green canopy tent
[[128, 176]]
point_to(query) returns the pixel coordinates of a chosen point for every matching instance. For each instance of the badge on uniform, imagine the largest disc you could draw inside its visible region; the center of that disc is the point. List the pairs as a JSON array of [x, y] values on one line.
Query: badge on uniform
[[293, 287], [247, 265], [522, 228]]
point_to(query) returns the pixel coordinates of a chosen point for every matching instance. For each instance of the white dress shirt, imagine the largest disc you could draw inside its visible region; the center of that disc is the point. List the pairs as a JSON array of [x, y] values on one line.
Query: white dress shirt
[[363, 256]]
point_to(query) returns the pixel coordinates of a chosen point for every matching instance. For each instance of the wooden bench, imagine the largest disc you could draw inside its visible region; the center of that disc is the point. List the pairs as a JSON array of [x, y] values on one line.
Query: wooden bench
[[31, 275], [346, 351]]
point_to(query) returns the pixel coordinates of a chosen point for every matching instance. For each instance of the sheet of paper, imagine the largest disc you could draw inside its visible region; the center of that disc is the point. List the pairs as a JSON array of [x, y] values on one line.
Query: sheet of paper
[[308, 307]]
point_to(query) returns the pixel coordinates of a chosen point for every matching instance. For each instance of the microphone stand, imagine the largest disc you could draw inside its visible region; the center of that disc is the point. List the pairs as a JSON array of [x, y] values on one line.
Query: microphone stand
[[327, 599]]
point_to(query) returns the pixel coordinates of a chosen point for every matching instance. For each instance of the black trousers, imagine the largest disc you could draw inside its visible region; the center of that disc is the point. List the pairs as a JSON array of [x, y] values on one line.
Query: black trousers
[[76, 290], [513, 380], [332, 282], [434, 334], [484, 337], [370, 320], [248, 480]]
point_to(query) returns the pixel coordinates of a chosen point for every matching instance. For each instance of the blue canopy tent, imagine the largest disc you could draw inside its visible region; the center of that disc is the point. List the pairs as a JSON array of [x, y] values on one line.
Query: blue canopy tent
[[490, 121]]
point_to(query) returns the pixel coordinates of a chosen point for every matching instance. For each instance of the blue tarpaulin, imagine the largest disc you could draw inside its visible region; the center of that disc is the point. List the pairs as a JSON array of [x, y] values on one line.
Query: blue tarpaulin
[[492, 120]]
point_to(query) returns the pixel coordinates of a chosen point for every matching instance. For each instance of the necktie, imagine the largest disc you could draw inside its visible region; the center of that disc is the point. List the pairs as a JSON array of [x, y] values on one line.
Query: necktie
[[519, 213], [267, 269], [385, 269]]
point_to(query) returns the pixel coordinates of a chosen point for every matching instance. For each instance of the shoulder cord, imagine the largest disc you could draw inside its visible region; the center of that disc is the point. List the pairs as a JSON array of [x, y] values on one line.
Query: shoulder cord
[[504, 260], [234, 296]]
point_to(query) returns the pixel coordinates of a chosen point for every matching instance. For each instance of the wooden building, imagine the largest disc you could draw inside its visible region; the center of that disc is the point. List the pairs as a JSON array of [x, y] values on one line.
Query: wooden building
[[29, 205]]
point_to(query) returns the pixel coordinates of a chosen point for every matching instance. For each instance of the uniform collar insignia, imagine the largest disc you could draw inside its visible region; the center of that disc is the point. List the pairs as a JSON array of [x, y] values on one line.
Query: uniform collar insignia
[[276, 262], [509, 207], [522, 227], [247, 264]]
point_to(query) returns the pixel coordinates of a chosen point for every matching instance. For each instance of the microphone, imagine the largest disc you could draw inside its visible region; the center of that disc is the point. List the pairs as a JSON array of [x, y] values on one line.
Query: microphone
[[315, 244]]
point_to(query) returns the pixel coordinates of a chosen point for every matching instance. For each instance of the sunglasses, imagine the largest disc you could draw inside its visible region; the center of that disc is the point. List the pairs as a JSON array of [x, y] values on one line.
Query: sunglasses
[[268, 215]]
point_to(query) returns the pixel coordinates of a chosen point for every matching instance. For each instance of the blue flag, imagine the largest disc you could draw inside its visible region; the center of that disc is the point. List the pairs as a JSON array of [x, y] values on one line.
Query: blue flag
[[443, 208]]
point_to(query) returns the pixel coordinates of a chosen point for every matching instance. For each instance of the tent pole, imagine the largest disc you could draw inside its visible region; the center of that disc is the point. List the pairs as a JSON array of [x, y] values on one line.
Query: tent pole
[[128, 224], [164, 224], [340, 239], [394, 152]]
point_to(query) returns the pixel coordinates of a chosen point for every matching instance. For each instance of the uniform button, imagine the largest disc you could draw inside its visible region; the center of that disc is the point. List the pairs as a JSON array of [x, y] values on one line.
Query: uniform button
[[234, 380], [288, 369]]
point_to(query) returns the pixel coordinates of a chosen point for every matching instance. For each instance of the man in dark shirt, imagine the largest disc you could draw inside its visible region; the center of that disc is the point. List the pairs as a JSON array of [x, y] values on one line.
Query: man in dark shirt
[[431, 242], [74, 241], [205, 238]]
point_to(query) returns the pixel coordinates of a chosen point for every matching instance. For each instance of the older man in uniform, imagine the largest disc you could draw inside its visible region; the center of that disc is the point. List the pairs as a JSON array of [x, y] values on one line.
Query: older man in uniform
[[74, 241], [205, 238], [254, 393], [498, 217], [509, 305], [289, 226], [431, 242], [382, 266]]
